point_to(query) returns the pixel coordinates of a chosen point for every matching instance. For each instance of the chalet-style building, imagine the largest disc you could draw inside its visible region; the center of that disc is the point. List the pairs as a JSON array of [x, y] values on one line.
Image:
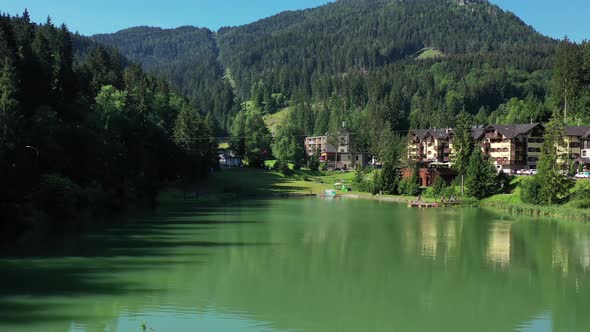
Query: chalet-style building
[[430, 145], [513, 147], [340, 156]]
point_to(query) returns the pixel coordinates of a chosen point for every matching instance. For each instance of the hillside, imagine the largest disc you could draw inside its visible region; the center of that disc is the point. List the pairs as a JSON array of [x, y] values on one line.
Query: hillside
[[186, 56], [372, 63], [363, 34]]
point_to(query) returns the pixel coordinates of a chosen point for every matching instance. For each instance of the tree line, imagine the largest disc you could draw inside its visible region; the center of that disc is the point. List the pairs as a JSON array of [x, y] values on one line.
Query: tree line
[[90, 134]]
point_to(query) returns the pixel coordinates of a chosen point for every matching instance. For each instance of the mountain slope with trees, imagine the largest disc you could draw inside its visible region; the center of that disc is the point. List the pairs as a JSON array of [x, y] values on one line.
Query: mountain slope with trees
[[186, 57], [359, 61]]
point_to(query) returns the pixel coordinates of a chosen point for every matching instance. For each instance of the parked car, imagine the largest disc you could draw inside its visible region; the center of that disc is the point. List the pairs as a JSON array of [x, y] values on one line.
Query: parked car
[[583, 175], [533, 172], [523, 172]]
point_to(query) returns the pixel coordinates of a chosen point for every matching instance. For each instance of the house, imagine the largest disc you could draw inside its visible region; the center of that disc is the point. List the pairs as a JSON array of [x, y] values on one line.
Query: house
[[430, 145], [507, 145], [337, 152], [417, 145], [575, 137]]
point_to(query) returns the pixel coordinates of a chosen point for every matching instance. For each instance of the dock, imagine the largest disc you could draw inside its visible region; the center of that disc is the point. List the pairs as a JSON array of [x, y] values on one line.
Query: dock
[[423, 205]]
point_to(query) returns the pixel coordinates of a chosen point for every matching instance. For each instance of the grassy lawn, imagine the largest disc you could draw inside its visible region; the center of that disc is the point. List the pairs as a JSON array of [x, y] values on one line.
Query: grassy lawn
[[275, 119], [512, 203], [429, 53]]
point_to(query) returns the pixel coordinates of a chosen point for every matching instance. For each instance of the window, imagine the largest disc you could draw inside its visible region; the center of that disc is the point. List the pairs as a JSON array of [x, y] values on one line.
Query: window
[[538, 149], [429, 152], [532, 159], [574, 156], [493, 150], [531, 149], [505, 158], [498, 159], [357, 158], [574, 144], [505, 150], [540, 140], [583, 153], [341, 150], [531, 140]]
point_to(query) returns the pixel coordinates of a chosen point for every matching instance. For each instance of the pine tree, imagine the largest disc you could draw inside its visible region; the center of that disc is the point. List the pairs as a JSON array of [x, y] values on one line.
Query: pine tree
[[10, 116], [463, 144], [481, 176], [566, 75], [288, 145], [552, 184]]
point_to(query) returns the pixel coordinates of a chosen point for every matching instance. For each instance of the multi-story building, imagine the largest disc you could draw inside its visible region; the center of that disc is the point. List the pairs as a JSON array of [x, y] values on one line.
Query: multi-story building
[[510, 147], [507, 145], [417, 145], [335, 150], [575, 139], [430, 145]]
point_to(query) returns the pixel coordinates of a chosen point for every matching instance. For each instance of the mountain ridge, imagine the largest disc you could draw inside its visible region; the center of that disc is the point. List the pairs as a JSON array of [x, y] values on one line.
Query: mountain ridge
[[293, 52]]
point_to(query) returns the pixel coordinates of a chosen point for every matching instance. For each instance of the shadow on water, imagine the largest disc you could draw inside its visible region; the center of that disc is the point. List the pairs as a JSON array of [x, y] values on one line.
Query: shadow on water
[[73, 266]]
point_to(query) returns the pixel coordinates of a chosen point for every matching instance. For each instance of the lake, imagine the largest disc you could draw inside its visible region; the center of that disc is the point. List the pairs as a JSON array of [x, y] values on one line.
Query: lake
[[305, 265]]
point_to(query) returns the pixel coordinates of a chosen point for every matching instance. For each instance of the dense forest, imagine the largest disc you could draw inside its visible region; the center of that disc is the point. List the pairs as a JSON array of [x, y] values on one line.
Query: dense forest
[[187, 57], [88, 135], [369, 63]]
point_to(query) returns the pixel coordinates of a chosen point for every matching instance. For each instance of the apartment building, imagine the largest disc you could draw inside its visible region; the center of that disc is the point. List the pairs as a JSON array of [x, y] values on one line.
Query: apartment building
[[508, 145], [336, 151], [430, 145]]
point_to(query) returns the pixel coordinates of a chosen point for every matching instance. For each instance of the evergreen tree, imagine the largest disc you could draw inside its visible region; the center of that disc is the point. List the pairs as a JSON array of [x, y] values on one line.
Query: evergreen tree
[[288, 145], [566, 75], [481, 176], [463, 144], [549, 186], [10, 116]]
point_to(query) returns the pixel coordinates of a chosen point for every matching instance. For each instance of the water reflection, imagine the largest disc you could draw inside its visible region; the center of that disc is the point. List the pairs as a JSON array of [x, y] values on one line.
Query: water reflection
[[307, 265], [498, 250]]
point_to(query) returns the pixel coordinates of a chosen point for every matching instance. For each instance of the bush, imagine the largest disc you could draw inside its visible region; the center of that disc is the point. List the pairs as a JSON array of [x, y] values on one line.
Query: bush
[[313, 163], [504, 183], [438, 186], [324, 166], [409, 186], [58, 197], [283, 168], [531, 191]]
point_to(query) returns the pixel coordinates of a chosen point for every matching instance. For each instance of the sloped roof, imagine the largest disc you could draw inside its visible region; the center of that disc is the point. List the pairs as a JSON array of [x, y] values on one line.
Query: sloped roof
[[511, 131], [440, 133], [477, 131], [420, 133], [576, 130]]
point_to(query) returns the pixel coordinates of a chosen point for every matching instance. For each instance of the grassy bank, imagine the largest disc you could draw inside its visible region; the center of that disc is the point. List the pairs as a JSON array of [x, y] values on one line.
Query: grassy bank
[[247, 182], [513, 204]]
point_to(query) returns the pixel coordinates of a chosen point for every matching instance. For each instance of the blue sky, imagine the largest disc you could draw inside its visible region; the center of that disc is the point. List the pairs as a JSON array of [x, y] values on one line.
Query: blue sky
[[551, 17]]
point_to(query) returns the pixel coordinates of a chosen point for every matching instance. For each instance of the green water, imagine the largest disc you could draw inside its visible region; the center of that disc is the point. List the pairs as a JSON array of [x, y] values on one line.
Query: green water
[[305, 265]]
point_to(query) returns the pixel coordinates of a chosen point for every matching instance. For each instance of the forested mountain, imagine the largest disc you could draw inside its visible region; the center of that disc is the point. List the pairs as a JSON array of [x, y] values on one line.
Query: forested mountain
[[186, 56], [349, 35], [405, 63]]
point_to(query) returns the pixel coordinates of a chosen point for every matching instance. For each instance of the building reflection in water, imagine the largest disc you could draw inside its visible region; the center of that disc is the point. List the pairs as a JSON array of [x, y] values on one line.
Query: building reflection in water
[[429, 232], [498, 250]]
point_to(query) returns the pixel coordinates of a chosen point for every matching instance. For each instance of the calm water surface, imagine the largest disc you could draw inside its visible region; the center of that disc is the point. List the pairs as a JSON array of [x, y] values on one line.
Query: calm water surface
[[305, 265]]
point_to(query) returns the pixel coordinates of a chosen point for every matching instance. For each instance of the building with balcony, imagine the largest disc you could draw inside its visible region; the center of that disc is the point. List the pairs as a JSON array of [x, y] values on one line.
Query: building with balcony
[[336, 150], [430, 145], [507, 145]]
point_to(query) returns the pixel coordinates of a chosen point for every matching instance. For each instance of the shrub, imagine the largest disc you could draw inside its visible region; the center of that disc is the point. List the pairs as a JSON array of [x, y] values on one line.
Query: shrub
[[313, 163], [283, 168], [531, 191], [409, 186]]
